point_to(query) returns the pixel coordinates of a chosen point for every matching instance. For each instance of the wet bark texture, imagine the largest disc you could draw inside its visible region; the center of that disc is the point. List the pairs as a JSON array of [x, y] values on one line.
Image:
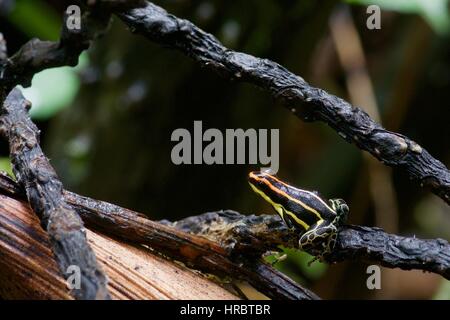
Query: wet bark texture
[[45, 194]]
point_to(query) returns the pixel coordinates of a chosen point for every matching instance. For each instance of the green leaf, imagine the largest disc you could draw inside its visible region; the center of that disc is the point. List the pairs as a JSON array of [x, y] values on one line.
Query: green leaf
[[435, 12]]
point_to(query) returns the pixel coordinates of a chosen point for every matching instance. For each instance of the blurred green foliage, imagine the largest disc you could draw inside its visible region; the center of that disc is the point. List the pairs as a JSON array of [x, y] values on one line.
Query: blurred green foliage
[[298, 261], [431, 214], [46, 101], [443, 292], [5, 165], [36, 18], [435, 12]]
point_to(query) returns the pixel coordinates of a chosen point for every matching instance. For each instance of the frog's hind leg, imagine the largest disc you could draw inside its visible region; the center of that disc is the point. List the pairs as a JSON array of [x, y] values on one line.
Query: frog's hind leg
[[320, 238]]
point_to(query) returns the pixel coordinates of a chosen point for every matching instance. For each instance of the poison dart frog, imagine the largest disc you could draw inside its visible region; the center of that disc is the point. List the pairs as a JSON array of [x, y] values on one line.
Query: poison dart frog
[[317, 220]]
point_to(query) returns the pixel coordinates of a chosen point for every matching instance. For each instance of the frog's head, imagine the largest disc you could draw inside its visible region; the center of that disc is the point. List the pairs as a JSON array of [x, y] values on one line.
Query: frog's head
[[341, 208]]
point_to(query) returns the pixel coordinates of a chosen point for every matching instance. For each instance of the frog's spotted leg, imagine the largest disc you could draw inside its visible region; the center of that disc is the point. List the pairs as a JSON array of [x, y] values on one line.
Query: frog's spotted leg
[[321, 235]]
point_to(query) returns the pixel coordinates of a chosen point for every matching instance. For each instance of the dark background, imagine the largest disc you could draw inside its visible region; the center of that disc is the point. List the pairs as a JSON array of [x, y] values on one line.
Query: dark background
[[106, 125]]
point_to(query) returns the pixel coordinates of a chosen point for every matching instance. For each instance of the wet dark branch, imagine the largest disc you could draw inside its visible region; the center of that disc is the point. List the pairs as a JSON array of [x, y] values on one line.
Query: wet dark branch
[[256, 234], [45, 194], [37, 55], [389, 250], [194, 251], [305, 101]]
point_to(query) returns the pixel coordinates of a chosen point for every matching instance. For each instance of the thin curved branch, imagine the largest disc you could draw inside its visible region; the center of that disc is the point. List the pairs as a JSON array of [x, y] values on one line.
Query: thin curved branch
[[45, 194], [256, 234], [37, 55], [194, 251], [305, 101]]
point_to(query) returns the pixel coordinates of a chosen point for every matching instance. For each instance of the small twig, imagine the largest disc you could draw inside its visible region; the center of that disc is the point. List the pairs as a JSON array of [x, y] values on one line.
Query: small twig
[[45, 195], [194, 251], [256, 234], [305, 101]]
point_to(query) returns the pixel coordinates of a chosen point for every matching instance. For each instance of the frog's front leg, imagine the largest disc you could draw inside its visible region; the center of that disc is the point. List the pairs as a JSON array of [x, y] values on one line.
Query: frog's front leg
[[320, 237]]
